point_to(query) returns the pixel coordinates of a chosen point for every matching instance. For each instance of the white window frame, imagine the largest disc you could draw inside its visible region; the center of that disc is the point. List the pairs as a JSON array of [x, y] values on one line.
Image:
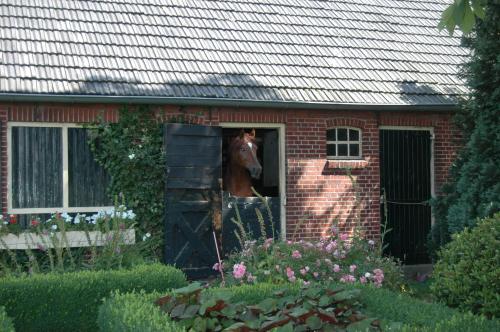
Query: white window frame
[[65, 207], [337, 142]]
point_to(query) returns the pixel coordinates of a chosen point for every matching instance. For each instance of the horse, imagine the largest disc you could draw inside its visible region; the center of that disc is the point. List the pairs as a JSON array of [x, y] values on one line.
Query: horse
[[243, 165]]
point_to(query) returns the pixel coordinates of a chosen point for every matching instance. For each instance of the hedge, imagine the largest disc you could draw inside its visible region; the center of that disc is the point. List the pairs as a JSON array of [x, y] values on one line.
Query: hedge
[[70, 301], [136, 312], [5, 322]]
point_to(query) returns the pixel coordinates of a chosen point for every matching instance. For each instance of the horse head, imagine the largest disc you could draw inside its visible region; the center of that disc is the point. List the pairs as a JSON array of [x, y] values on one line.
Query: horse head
[[244, 153]]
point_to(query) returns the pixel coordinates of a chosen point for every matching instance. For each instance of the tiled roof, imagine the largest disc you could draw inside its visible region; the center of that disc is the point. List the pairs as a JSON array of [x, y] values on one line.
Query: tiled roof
[[319, 51]]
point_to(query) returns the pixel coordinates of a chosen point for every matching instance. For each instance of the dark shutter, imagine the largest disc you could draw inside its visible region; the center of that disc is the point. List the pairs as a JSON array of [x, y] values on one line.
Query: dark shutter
[[87, 179], [37, 167]]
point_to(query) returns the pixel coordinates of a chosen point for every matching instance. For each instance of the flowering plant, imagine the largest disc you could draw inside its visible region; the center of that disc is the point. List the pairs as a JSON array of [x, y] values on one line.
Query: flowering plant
[[335, 258], [100, 221]]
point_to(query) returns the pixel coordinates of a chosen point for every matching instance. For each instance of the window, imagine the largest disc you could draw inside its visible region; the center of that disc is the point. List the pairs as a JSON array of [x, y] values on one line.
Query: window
[[343, 143], [51, 168]]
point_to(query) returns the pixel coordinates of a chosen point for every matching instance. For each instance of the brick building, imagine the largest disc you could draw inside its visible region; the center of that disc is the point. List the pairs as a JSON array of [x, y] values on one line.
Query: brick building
[[360, 96]]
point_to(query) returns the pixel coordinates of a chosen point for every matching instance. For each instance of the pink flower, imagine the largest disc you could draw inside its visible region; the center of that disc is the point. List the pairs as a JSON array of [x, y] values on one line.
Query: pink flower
[[303, 272], [378, 278], [289, 272], [328, 261], [362, 280], [289, 242], [352, 268], [216, 267], [239, 270], [331, 246], [336, 268], [348, 278], [315, 274], [344, 237], [307, 283], [296, 254], [292, 279], [268, 243]]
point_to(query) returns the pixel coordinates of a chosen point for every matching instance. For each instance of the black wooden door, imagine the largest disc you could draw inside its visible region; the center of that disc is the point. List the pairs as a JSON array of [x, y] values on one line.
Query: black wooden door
[[192, 196], [405, 177]]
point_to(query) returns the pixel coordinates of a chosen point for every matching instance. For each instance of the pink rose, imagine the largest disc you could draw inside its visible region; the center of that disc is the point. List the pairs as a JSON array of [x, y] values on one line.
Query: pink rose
[[362, 280], [239, 270], [336, 268], [344, 237], [303, 272], [296, 254], [315, 274], [347, 278], [352, 268]]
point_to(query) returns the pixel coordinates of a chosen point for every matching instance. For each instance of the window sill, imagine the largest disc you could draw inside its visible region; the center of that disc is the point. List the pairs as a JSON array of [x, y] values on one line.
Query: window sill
[[343, 164]]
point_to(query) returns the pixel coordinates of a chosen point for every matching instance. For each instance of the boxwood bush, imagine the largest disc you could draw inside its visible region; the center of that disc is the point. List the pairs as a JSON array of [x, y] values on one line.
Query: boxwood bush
[[70, 301], [136, 312], [5, 322], [467, 274]]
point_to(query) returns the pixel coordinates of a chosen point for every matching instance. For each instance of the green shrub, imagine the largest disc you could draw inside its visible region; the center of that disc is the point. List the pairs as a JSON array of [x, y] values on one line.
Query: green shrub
[[69, 301], [133, 312], [459, 323], [5, 322], [467, 274]]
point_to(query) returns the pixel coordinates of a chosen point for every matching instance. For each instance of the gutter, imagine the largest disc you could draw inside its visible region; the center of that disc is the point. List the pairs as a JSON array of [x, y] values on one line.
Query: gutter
[[221, 102]]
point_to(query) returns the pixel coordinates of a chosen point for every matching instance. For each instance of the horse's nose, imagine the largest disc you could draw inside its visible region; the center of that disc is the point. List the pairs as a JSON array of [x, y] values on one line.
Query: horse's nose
[[256, 171]]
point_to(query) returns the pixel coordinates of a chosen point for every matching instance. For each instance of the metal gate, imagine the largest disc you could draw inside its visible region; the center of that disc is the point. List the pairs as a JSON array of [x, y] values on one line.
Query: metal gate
[[405, 177], [192, 197]]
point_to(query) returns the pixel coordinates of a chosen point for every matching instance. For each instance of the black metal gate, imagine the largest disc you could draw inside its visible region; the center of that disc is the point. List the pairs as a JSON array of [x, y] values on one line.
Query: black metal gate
[[405, 177], [192, 196]]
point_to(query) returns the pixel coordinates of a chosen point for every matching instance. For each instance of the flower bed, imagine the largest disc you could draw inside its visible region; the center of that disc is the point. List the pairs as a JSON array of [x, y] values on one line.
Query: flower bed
[[336, 258], [136, 311], [69, 239]]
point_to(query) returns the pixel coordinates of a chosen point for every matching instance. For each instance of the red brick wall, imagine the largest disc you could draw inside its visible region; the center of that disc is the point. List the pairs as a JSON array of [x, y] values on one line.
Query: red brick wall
[[319, 193]]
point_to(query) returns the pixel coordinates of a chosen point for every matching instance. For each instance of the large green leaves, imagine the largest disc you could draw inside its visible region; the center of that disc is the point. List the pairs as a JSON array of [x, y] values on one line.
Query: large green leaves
[[462, 13]]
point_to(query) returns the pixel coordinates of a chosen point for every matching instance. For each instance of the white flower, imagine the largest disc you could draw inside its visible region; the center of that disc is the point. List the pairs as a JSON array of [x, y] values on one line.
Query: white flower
[[368, 275], [146, 236], [371, 242], [131, 156], [5, 222], [54, 227]]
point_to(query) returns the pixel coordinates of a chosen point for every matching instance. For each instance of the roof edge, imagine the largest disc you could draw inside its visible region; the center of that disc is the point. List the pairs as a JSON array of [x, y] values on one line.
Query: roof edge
[[220, 102]]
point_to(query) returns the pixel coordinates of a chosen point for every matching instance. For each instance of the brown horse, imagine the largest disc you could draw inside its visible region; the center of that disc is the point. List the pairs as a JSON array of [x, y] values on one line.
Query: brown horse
[[242, 165]]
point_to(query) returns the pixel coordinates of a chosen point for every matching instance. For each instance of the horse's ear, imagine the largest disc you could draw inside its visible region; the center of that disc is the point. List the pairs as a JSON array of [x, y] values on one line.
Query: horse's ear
[[252, 133], [242, 134]]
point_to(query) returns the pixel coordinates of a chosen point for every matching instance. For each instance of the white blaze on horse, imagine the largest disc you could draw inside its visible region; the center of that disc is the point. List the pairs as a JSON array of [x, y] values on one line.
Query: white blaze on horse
[[243, 165]]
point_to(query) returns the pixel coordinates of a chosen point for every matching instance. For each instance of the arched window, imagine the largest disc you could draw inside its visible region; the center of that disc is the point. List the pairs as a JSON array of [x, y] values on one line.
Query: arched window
[[343, 143]]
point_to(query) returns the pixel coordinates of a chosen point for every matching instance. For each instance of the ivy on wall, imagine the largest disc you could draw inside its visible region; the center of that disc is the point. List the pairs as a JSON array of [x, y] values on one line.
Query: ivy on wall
[[131, 151]]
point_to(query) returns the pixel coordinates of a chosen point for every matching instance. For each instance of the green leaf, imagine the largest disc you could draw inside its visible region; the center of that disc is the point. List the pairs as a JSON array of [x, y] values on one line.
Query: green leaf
[[314, 323], [346, 295], [267, 305], [478, 8], [468, 20], [178, 310], [297, 312], [190, 311], [200, 324], [362, 325], [191, 288], [285, 328], [325, 300], [235, 327]]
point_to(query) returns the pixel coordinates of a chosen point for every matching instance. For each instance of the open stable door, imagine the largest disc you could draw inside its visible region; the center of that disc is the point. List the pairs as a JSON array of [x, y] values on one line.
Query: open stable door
[[193, 196]]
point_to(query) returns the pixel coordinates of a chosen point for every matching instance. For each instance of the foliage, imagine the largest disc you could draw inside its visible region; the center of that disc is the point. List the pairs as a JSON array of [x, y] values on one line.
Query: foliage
[[474, 188], [131, 151], [390, 307], [318, 307], [69, 301], [462, 13], [467, 274], [336, 258], [6, 324], [130, 312], [54, 254]]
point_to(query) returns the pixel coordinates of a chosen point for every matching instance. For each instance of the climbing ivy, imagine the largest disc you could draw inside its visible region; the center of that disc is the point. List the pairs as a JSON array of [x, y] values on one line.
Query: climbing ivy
[[131, 151]]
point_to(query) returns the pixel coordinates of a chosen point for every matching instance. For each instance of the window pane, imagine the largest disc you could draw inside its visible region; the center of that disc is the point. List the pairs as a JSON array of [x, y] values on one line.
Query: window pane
[[331, 150], [354, 150], [37, 167], [330, 135], [342, 150], [353, 135], [342, 134], [87, 179]]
